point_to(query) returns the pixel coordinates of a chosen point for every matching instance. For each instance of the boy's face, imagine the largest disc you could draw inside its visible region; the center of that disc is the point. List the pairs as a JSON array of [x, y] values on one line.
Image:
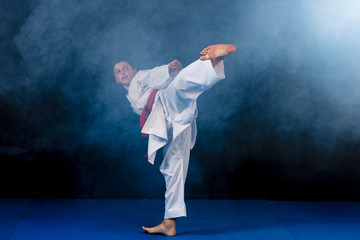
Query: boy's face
[[124, 73]]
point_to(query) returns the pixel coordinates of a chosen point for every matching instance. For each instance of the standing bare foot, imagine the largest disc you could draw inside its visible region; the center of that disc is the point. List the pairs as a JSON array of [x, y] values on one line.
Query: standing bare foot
[[217, 52], [167, 228]]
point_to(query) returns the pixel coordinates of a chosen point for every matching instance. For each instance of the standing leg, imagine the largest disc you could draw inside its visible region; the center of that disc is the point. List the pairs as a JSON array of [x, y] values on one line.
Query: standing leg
[[174, 168]]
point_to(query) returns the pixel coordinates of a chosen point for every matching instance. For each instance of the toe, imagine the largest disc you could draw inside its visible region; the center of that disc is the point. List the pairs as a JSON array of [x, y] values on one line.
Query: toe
[[203, 58], [146, 230]]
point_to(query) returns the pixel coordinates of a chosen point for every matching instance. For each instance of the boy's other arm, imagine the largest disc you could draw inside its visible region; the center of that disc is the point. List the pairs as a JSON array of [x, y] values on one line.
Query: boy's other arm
[[159, 77], [174, 68]]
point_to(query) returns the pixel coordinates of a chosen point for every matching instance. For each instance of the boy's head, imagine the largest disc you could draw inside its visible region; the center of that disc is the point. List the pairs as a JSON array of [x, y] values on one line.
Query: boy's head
[[124, 73]]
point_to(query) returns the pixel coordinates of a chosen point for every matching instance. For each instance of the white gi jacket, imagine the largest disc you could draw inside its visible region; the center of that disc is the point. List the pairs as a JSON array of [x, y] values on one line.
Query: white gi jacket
[[181, 111]]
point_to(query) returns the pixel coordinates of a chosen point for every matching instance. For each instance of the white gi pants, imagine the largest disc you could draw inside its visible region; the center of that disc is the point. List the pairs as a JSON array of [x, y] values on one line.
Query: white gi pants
[[179, 105]]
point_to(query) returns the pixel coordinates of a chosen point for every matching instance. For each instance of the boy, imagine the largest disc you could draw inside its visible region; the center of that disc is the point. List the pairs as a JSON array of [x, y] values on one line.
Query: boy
[[171, 123]]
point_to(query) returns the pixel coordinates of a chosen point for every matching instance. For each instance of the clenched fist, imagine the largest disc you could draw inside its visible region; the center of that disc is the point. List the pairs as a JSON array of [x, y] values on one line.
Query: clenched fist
[[174, 68]]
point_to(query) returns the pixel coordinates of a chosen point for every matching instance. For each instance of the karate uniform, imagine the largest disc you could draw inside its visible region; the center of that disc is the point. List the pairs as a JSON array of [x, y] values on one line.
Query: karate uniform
[[171, 124]]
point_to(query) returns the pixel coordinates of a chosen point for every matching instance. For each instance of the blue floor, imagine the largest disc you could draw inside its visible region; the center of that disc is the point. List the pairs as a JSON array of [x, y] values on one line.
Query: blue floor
[[26, 219]]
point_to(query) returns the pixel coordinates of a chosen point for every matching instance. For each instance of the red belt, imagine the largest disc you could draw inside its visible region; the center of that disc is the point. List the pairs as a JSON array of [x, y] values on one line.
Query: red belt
[[147, 110]]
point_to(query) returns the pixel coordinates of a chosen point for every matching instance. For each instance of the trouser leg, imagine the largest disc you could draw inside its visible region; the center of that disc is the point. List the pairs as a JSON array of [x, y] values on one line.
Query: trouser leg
[[179, 97], [174, 169], [198, 77], [179, 105]]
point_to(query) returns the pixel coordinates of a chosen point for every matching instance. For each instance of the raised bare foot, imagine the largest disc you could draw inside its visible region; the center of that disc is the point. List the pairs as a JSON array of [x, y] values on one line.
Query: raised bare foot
[[217, 51], [167, 228]]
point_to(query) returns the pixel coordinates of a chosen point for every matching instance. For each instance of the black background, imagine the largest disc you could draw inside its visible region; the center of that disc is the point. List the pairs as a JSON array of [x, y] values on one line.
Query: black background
[[283, 125]]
